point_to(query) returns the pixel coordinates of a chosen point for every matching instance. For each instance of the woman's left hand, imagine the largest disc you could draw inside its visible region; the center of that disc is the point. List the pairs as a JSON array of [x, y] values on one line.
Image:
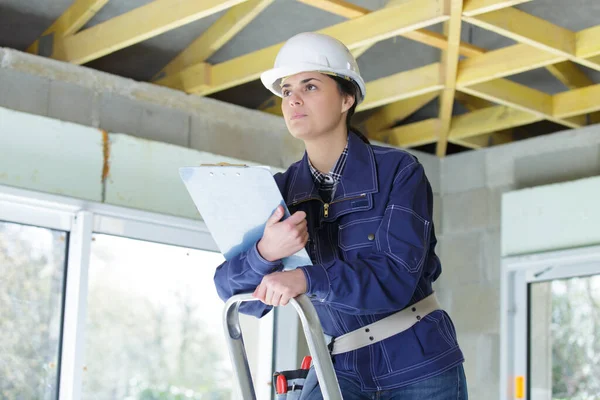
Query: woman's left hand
[[278, 288]]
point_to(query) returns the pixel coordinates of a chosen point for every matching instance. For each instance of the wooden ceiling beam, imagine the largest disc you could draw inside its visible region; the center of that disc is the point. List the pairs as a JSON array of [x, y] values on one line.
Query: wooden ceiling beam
[[476, 7], [388, 116], [430, 38], [73, 19], [473, 124], [485, 140], [489, 120], [338, 7], [570, 75], [587, 44], [371, 28], [448, 71], [400, 86], [142, 23], [215, 37], [503, 62], [576, 102], [410, 135], [544, 35], [520, 97]]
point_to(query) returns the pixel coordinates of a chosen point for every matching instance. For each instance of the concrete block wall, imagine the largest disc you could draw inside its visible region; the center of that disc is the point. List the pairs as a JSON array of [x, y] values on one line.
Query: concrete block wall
[[46, 155], [472, 187], [71, 93]]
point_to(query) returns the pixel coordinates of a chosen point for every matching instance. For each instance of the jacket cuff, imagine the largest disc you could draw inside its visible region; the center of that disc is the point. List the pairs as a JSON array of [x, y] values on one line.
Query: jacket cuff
[[259, 264], [317, 281]]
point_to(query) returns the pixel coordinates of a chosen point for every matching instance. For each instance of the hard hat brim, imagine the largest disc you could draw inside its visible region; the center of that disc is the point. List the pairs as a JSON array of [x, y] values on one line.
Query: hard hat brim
[[271, 78]]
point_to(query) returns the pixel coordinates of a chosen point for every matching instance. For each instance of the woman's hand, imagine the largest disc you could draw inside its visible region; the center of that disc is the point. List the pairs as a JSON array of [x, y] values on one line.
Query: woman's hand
[[283, 238], [278, 288]]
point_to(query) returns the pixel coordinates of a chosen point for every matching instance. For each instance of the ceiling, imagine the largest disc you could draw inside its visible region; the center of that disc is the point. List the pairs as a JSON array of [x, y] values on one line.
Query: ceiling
[[425, 118]]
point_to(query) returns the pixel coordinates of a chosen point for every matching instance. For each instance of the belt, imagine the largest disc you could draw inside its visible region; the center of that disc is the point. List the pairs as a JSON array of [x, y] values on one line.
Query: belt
[[386, 327]]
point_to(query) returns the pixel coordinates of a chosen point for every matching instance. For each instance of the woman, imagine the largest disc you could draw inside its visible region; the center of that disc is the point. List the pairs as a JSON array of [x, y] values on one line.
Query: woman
[[364, 214]]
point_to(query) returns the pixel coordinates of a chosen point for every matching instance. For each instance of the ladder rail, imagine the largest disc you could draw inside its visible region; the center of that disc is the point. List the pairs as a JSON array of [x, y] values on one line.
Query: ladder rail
[[315, 339]]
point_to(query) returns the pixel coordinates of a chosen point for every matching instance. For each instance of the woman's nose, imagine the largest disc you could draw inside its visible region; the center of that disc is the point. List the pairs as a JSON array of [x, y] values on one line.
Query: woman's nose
[[294, 100]]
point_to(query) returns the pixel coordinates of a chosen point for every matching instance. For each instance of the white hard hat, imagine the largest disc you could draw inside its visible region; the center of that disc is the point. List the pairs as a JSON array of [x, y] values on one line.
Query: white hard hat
[[309, 51]]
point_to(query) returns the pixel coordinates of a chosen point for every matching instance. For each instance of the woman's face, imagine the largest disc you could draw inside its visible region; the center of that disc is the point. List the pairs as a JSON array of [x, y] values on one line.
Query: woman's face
[[313, 105]]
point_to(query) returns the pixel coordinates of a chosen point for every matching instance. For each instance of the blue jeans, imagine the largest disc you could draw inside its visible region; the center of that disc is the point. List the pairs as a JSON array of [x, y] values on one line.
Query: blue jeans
[[449, 385]]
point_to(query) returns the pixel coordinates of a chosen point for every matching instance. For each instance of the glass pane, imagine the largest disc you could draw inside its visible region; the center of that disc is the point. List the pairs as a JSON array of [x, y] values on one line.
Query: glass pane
[[565, 349], [154, 327], [32, 267]]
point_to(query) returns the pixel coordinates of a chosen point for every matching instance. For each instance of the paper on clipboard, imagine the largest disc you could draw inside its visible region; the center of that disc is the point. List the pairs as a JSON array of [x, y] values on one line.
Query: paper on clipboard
[[235, 202]]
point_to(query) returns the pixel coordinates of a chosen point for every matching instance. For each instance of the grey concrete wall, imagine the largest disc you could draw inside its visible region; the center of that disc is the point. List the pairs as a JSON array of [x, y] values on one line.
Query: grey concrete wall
[[72, 93], [472, 185]]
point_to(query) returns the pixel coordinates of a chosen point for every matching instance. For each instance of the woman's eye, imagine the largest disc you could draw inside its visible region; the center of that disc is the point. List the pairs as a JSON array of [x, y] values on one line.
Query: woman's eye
[[285, 93], [310, 87]]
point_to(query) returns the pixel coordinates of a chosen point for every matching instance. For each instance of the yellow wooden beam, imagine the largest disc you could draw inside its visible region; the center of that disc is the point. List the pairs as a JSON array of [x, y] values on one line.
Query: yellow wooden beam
[[371, 28], [400, 86], [219, 33], [410, 135], [488, 120], [440, 41], [587, 43], [73, 19], [570, 75], [198, 74], [595, 59], [448, 70], [338, 7], [503, 62], [537, 32], [576, 102], [389, 115], [145, 22], [485, 140], [434, 39], [475, 143], [463, 127], [472, 103], [272, 105], [521, 97], [528, 29], [476, 7]]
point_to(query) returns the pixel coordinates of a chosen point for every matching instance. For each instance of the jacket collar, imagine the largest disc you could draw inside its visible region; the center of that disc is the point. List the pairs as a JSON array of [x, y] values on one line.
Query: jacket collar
[[359, 175]]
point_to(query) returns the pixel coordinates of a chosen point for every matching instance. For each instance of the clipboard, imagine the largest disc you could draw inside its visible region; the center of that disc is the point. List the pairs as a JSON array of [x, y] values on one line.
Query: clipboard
[[235, 202]]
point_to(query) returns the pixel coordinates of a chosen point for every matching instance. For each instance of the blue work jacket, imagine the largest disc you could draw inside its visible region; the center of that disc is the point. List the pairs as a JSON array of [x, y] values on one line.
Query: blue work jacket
[[373, 250]]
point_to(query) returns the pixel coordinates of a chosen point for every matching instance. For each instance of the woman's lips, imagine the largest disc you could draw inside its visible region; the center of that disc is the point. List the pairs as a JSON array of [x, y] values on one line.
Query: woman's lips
[[298, 116]]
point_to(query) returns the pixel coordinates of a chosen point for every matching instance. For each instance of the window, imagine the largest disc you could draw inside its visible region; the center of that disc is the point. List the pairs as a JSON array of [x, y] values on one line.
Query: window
[[550, 324], [154, 323], [32, 267], [564, 345], [129, 312]]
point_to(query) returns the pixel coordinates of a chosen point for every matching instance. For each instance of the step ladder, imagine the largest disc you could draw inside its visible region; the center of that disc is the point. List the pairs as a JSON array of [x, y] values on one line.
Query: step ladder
[[312, 331]]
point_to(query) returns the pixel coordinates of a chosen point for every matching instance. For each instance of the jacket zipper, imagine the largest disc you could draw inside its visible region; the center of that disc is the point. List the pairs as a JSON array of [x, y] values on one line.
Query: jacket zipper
[[326, 205]]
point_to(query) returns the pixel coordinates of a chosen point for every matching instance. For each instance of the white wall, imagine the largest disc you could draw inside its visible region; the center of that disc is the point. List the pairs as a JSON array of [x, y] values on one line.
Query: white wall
[[551, 217]]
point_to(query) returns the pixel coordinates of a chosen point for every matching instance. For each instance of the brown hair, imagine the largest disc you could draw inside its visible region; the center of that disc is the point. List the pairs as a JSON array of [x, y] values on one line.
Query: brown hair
[[347, 87]]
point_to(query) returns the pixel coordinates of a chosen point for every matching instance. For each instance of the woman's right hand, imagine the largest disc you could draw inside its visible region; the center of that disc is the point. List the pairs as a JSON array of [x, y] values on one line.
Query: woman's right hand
[[283, 238]]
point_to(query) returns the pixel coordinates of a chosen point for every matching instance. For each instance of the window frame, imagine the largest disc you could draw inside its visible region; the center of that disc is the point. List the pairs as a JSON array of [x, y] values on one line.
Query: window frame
[[83, 218], [518, 273]]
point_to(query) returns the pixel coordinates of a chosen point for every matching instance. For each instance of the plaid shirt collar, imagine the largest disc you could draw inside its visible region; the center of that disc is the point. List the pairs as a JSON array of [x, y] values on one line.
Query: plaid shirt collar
[[332, 177]]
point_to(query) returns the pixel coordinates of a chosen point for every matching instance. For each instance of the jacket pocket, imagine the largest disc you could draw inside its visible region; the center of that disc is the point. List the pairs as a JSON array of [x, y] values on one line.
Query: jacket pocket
[[359, 233]]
